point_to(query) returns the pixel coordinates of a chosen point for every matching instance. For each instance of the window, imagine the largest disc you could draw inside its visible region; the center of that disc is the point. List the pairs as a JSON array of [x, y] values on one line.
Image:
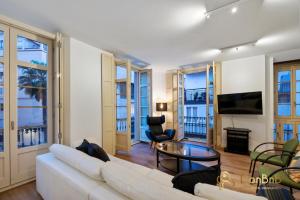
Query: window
[[121, 72], [284, 96], [1, 43], [287, 101], [31, 51]]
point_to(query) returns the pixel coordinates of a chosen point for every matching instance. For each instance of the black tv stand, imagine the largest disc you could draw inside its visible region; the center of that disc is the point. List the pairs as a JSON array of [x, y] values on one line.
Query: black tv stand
[[237, 140]]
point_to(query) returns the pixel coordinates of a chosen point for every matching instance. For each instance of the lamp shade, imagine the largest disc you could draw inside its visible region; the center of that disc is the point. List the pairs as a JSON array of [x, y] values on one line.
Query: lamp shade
[[161, 107]]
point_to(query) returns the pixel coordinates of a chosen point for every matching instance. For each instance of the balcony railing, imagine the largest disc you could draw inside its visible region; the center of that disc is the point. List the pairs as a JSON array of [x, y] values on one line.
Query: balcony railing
[[196, 126], [195, 96], [1, 139], [32, 135], [28, 136], [122, 125]]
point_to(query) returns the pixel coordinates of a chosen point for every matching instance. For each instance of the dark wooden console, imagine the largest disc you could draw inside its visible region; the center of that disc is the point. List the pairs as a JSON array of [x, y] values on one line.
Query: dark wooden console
[[237, 140]]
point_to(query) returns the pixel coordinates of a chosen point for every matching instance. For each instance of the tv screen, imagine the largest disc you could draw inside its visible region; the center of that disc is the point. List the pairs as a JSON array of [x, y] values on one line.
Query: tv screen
[[240, 103]]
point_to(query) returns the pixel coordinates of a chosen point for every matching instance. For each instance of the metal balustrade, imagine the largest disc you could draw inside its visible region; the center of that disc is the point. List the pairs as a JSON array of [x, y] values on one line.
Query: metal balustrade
[[1, 140], [32, 135], [196, 126], [122, 125], [27, 136]]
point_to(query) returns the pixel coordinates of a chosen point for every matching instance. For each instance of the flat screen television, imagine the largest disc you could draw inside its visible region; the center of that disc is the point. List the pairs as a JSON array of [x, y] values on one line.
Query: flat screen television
[[240, 103]]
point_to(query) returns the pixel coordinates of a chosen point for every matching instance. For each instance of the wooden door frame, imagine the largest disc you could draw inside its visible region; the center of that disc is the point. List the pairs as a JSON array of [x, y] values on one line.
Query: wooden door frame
[[292, 119], [150, 101], [14, 63], [123, 139], [5, 155]]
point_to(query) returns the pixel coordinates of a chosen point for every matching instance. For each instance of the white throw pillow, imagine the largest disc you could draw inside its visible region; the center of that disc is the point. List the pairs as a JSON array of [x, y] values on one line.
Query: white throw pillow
[[86, 164], [212, 192], [138, 187]]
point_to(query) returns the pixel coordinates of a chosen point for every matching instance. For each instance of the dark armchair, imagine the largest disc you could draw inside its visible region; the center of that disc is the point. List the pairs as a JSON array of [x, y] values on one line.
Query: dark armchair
[[155, 133]]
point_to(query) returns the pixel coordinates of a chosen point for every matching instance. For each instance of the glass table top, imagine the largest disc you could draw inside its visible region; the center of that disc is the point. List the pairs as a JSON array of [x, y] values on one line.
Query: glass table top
[[188, 150]]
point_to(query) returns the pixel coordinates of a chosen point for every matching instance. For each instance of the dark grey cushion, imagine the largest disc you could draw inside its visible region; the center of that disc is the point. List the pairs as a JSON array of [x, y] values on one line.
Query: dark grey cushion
[[186, 181], [96, 151], [84, 146]]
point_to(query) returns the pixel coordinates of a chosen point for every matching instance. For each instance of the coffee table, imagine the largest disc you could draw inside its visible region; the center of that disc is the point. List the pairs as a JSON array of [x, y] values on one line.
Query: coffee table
[[181, 154]]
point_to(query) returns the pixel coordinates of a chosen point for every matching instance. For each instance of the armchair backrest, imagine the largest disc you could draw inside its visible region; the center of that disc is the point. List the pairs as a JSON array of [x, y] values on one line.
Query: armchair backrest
[[289, 146], [155, 124]]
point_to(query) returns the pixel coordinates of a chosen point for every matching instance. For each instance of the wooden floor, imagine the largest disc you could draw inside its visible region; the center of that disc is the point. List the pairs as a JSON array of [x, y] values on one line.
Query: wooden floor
[[24, 192], [236, 165]]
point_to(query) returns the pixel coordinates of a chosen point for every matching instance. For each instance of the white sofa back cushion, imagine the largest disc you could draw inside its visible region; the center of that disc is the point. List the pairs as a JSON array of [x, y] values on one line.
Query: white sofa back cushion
[[86, 164], [139, 187], [160, 177], [212, 192]]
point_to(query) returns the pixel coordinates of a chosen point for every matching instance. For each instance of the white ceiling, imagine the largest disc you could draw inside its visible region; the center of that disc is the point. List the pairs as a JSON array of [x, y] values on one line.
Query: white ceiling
[[167, 32]]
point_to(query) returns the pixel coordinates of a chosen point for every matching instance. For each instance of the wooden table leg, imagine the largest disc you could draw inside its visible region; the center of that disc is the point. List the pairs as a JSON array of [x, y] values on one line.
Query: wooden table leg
[[178, 166], [157, 158]]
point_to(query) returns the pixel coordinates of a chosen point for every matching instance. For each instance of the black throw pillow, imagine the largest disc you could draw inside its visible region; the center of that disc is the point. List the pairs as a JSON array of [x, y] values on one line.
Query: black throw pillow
[[96, 151], [84, 146], [186, 181]]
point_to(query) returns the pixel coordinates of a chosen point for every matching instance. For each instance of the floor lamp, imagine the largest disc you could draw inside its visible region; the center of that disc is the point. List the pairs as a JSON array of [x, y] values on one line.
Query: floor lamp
[[161, 107]]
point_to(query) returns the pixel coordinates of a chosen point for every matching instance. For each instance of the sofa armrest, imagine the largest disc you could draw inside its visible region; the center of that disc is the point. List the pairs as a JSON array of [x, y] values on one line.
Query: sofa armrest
[[170, 133]]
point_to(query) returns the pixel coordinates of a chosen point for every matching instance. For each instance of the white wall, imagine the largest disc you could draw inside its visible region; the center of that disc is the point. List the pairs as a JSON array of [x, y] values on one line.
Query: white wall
[[84, 92], [246, 75]]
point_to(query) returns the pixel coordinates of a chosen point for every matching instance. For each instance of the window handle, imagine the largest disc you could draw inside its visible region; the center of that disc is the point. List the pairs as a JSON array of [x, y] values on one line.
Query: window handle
[[12, 125]]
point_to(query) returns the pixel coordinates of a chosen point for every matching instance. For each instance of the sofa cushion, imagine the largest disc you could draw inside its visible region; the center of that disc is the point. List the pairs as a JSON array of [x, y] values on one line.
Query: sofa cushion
[[84, 163], [84, 146], [212, 192], [154, 174], [160, 177], [96, 151], [137, 168], [138, 187], [186, 181]]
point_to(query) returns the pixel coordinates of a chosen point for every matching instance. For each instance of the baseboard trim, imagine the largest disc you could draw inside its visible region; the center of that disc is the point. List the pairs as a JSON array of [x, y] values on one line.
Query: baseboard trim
[[16, 185]]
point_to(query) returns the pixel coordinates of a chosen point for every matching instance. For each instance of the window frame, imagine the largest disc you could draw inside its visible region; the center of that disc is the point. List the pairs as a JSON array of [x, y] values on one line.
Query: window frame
[[292, 119]]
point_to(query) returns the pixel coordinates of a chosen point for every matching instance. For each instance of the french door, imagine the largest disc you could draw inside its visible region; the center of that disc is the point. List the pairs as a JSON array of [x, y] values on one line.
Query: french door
[[4, 110], [26, 103], [286, 101], [144, 102], [178, 104], [123, 106], [210, 96]]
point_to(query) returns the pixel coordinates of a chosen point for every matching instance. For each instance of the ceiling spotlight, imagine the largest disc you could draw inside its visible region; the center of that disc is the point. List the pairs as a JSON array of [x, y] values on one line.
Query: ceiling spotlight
[[234, 10]]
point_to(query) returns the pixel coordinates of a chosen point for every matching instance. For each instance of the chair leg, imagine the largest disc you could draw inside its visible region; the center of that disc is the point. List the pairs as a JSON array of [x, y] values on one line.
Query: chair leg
[[250, 166], [154, 144], [253, 169], [291, 190], [257, 186]]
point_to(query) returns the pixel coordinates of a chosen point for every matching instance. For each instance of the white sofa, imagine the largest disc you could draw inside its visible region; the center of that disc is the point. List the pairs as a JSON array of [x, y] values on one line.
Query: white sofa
[[68, 174]]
